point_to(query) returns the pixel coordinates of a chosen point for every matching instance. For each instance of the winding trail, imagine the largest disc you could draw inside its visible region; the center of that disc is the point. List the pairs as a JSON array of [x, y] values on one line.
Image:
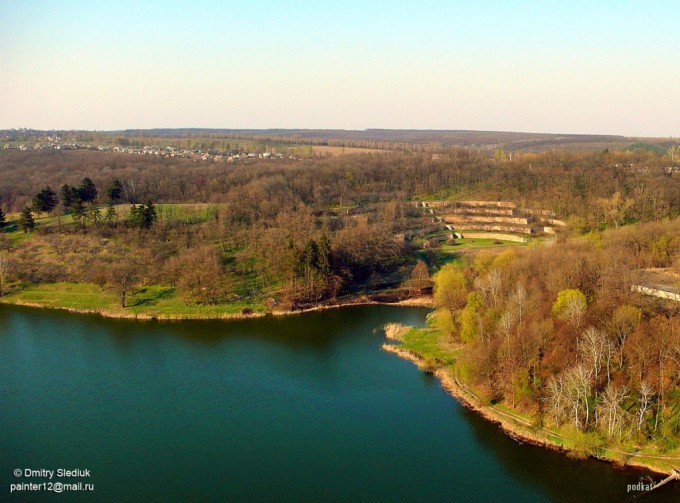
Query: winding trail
[[526, 422]]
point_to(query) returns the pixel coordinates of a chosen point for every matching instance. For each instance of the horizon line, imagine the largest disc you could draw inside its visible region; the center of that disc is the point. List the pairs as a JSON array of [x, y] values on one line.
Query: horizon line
[[311, 129]]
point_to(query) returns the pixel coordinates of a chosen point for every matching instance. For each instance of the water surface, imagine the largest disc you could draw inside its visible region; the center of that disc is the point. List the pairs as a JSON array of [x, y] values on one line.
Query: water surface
[[302, 408]]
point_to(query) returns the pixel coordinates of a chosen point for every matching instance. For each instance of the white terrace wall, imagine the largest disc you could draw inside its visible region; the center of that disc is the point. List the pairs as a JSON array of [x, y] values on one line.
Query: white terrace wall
[[485, 219], [655, 292], [482, 211], [494, 235], [486, 204], [494, 228]]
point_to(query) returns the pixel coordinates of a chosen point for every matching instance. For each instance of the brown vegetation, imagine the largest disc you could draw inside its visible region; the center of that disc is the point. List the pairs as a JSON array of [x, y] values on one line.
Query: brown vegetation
[[557, 331]]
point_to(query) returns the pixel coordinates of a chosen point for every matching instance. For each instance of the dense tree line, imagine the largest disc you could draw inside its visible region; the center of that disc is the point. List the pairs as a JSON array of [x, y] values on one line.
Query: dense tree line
[[302, 257], [596, 189], [305, 231], [559, 331]]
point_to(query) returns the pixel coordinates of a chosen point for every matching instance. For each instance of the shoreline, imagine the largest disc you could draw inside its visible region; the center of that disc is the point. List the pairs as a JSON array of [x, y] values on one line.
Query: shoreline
[[364, 300], [421, 301], [519, 429], [105, 313]]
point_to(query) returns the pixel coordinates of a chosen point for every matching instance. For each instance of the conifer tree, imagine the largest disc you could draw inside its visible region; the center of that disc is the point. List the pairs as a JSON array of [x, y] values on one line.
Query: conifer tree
[[115, 191], [26, 220], [45, 200], [111, 216]]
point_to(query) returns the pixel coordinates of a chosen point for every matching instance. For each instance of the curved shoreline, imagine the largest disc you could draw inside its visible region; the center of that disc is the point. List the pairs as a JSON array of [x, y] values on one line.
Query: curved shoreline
[[514, 426], [105, 313], [423, 301], [517, 427]]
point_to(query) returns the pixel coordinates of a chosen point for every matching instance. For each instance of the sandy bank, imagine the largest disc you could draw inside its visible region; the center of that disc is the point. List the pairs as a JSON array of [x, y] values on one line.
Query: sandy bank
[[126, 314], [363, 300], [129, 315]]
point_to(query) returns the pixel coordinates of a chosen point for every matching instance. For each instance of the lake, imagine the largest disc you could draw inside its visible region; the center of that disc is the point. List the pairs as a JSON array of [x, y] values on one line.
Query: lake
[[298, 408]]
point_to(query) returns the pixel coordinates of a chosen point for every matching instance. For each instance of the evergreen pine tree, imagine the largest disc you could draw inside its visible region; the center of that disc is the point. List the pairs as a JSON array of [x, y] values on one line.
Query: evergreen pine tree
[[149, 215], [115, 191], [93, 213], [111, 216], [78, 212], [87, 192], [69, 195], [136, 216], [26, 220], [45, 200]]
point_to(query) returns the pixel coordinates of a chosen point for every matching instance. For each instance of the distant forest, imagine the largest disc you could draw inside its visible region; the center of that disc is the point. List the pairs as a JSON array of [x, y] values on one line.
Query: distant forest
[[312, 228], [597, 190], [408, 139], [386, 139]]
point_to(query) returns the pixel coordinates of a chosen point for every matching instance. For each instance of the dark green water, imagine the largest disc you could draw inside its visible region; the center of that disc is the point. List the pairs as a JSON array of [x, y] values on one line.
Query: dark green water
[[304, 408]]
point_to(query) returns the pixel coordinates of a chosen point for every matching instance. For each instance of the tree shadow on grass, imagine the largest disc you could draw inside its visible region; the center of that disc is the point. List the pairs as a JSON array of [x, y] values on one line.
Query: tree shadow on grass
[[151, 298]]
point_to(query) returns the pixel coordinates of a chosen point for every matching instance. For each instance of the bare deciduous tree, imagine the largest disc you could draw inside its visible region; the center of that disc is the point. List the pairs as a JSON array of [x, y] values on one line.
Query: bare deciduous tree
[[644, 402], [419, 279], [556, 396], [579, 387], [610, 412], [490, 286], [624, 321], [519, 298], [592, 346]]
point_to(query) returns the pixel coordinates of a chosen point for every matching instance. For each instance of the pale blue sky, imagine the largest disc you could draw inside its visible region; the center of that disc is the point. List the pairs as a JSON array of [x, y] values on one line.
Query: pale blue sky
[[543, 66]]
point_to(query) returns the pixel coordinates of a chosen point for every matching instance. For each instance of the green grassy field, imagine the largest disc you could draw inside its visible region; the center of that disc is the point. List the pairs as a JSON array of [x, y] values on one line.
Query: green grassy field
[[194, 213], [145, 302], [167, 212], [430, 344], [471, 243], [456, 254]]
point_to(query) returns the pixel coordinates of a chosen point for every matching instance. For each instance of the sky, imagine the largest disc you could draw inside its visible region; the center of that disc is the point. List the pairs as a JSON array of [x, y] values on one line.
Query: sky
[[599, 67]]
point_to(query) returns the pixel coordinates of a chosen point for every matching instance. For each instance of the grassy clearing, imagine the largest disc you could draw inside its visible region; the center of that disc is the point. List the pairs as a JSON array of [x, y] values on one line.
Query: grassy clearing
[[63, 295], [476, 243], [147, 302], [430, 344], [468, 245], [10, 233], [455, 254], [186, 213]]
